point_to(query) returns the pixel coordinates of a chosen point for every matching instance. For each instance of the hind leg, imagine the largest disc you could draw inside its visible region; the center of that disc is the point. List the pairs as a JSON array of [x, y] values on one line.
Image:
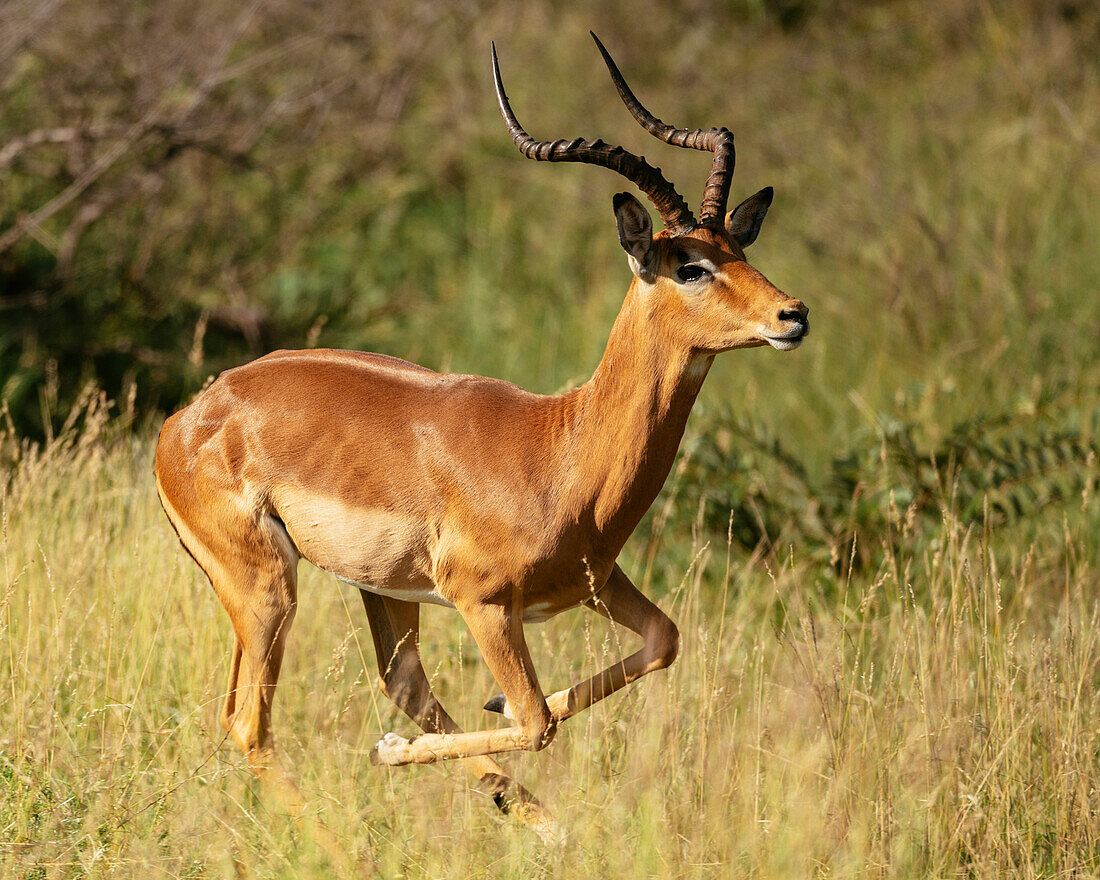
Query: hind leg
[[253, 572], [253, 568], [252, 564], [229, 707], [395, 627], [261, 601]]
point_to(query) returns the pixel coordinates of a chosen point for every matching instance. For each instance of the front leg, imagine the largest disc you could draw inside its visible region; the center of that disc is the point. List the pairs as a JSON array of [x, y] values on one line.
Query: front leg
[[622, 603], [498, 632]]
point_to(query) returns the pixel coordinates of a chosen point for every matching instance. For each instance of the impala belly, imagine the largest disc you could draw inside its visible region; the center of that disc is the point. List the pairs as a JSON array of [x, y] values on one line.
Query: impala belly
[[374, 549], [538, 612], [397, 555]]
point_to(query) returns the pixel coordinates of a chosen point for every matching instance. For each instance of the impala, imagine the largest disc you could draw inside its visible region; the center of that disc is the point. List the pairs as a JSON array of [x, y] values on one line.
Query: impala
[[470, 492]]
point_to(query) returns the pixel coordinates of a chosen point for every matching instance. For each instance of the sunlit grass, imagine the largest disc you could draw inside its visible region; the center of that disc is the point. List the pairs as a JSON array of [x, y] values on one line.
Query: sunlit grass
[[938, 715]]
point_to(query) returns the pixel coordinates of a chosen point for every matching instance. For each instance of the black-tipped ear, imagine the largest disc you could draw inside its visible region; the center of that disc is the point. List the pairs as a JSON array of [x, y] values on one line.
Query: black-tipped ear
[[743, 222], [635, 235]]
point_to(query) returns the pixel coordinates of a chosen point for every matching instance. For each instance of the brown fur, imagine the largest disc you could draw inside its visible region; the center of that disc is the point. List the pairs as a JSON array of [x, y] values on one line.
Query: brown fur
[[459, 490]]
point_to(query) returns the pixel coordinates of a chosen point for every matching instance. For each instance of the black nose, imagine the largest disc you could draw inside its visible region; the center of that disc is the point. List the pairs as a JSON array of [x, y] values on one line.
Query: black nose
[[790, 315]]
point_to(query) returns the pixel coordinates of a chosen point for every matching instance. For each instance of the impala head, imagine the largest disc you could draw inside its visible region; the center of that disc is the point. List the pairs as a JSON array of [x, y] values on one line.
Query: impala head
[[693, 274], [700, 282]]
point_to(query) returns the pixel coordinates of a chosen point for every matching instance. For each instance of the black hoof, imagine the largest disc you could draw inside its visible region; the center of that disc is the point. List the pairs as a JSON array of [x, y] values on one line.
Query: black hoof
[[496, 704]]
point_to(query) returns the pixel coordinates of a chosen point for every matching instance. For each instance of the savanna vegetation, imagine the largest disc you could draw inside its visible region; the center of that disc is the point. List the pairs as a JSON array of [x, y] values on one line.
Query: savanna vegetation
[[881, 549]]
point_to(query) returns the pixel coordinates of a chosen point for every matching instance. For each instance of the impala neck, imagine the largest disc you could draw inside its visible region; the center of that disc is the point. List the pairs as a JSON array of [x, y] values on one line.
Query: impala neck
[[632, 418]]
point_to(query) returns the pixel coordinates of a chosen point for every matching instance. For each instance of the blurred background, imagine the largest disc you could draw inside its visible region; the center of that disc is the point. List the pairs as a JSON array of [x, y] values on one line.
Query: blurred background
[[189, 185]]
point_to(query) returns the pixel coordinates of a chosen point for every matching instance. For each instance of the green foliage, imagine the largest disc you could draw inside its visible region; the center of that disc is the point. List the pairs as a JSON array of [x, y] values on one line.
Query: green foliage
[[899, 476], [195, 205]]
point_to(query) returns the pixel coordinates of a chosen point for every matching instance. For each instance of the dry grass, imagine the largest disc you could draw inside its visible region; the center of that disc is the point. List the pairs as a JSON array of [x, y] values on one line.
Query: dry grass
[[936, 717]]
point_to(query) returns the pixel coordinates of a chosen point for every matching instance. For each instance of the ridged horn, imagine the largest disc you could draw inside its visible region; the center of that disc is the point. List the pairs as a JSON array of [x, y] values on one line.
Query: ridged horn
[[718, 141], [669, 203]]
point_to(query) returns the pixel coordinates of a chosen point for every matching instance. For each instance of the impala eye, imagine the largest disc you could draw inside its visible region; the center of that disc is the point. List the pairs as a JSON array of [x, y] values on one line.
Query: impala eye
[[691, 272]]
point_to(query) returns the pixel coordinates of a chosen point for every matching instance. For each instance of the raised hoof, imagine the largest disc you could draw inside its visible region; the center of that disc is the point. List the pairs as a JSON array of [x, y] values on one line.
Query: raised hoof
[[391, 750], [499, 704]]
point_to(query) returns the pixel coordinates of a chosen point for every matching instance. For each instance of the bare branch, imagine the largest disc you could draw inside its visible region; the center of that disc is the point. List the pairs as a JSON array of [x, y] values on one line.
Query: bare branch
[[62, 200], [62, 135], [29, 223]]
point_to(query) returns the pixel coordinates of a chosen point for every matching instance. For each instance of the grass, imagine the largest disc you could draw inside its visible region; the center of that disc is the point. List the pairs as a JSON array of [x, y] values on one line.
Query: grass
[[922, 703], [937, 715]]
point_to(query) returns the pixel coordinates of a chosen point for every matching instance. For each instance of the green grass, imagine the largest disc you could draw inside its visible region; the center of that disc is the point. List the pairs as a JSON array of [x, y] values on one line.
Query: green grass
[[921, 703]]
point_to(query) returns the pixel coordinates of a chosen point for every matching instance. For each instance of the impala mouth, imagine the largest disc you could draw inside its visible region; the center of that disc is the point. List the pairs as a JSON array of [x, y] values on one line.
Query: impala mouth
[[790, 339]]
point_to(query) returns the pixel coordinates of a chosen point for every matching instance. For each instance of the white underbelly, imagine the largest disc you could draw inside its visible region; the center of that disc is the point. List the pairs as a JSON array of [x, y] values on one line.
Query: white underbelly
[[537, 612], [406, 594]]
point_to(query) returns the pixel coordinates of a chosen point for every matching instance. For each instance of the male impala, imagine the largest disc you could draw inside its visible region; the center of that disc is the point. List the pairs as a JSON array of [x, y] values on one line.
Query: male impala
[[465, 491]]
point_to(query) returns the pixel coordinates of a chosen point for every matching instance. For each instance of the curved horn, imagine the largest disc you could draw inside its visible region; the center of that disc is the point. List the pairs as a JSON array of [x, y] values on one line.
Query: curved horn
[[715, 140], [670, 204]]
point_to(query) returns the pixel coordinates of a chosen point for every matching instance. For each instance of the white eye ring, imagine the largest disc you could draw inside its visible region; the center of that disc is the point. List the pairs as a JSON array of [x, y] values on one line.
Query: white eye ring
[[691, 272]]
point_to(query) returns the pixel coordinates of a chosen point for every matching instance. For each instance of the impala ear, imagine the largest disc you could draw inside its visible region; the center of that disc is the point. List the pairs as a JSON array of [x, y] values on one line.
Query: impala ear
[[636, 236], [743, 222]]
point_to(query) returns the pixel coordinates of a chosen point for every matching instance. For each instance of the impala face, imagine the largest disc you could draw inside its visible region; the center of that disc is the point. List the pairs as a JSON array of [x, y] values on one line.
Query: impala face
[[725, 302], [700, 285]]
